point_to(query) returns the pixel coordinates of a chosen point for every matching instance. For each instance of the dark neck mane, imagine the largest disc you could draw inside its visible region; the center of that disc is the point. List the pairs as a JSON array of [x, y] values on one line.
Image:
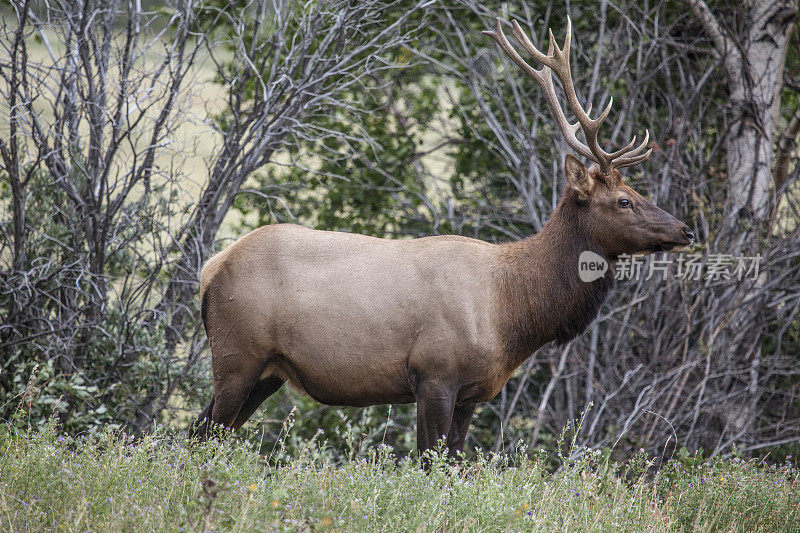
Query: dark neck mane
[[542, 299]]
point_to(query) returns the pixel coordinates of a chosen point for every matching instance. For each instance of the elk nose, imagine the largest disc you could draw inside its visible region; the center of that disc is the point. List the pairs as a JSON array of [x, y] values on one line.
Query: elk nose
[[689, 233]]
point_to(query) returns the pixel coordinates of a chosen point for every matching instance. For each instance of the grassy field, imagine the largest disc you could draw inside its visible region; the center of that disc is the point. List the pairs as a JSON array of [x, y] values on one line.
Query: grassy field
[[52, 482]]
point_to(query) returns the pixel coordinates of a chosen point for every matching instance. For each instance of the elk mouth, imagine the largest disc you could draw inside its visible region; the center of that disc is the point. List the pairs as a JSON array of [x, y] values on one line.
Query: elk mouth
[[675, 246], [663, 247], [666, 246], [669, 246]]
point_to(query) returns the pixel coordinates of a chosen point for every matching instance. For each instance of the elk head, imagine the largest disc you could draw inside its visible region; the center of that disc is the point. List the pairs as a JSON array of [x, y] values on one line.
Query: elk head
[[614, 216]]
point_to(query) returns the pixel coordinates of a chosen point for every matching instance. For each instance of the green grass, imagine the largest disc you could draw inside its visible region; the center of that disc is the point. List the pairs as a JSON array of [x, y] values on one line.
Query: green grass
[[51, 482]]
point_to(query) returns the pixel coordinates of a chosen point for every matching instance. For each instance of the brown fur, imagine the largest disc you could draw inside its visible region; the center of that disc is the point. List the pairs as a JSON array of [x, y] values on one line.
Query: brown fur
[[542, 297], [442, 321]]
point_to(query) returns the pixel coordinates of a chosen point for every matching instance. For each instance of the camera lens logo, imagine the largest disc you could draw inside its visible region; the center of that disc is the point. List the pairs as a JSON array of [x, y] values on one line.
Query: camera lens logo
[[591, 266]]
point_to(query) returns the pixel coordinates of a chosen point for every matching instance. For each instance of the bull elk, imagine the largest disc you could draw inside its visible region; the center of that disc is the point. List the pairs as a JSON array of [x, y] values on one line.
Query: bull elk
[[442, 321]]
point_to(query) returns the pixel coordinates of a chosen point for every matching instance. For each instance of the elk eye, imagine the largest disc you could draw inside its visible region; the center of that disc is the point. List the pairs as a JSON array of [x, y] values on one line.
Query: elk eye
[[624, 202]]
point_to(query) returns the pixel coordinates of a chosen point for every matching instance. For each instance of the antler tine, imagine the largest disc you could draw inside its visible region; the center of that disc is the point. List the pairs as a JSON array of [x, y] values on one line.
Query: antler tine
[[501, 39], [630, 161], [630, 151], [557, 60], [544, 79], [627, 148], [633, 157]]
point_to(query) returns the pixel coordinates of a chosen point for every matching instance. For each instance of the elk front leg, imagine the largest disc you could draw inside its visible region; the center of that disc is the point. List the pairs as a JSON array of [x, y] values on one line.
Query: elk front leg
[[435, 404], [462, 416]]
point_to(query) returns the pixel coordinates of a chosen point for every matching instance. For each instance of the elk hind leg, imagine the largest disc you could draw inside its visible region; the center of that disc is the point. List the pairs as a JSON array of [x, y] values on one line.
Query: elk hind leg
[[231, 392], [260, 392], [462, 415], [236, 398]]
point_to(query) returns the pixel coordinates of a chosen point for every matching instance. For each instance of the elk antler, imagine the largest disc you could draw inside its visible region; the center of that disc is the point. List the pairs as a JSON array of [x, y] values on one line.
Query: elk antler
[[557, 60]]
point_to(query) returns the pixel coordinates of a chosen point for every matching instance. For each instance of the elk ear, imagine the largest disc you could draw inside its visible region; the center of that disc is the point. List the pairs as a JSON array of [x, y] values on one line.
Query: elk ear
[[577, 177]]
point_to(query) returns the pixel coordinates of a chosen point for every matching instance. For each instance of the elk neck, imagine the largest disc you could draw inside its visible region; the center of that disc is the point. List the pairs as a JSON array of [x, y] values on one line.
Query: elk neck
[[541, 296]]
